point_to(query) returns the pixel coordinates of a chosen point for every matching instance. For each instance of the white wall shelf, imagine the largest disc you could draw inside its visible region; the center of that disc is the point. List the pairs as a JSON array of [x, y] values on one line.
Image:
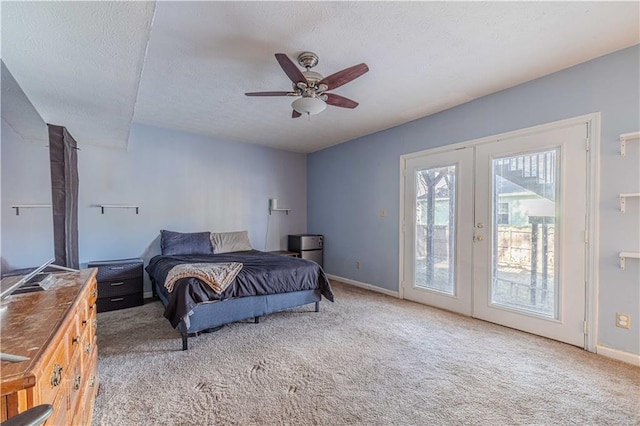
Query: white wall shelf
[[117, 206], [29, 206], [623, 200], [627, 254], [627, 137]]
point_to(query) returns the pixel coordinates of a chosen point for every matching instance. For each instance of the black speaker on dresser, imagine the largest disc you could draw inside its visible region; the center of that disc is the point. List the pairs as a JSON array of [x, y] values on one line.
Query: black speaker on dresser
[[119, 283]]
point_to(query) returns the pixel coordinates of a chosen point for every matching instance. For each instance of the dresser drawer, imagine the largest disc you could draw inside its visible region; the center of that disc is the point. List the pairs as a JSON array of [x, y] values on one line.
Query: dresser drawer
[[116, 270], [117, 288], [54, 374], [75, 383], [88, 323], [74, 334], [60, 410], [119, 302], [91, 391], [92, 292]]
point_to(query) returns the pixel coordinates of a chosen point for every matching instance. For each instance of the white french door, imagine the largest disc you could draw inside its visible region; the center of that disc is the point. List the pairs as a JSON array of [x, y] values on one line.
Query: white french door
[[497, 231], [440, 222], [530, 222]]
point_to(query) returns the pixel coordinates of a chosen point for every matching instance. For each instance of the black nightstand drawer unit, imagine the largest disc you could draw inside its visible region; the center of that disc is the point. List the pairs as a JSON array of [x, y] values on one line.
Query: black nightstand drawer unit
[[118, 288], [119, 283], [119, 302]]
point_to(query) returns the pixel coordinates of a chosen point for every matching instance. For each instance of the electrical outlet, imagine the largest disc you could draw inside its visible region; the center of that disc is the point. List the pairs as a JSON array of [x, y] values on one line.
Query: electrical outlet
[[358, 265], [623, 320]]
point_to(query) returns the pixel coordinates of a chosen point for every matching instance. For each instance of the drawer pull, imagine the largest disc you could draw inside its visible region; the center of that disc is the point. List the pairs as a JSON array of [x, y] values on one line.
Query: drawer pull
[[56, 376], [76, 382], [117, 284], [116, 268], [118, 299], [75, 340]]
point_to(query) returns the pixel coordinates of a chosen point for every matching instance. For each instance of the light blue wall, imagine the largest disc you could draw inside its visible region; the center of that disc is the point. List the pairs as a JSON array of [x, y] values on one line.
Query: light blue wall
[[349, 184], [181, 181], [25, 179], [185, 182], [27, 239]]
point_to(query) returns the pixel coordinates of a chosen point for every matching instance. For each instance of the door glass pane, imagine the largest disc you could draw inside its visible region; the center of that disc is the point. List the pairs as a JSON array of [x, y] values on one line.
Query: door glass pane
[[435, 228], [524, 225]]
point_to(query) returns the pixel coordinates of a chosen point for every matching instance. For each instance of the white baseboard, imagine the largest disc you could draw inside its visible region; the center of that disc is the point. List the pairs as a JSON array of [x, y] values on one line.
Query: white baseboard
[[364, 285], [627, 357]]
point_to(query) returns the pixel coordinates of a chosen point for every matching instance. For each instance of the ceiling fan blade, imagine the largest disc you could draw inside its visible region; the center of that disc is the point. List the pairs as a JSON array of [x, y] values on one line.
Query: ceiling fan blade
[[344, 76], [289, 68], [269, 93], [340, 101], [295, 114]]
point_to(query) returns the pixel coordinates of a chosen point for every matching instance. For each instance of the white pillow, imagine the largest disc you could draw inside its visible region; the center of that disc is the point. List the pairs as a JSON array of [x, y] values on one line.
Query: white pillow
[[226, 242]]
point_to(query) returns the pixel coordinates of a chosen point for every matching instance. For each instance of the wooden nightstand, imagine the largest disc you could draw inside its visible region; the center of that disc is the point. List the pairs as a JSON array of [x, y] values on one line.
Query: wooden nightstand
[[119, 283], [285, 253]]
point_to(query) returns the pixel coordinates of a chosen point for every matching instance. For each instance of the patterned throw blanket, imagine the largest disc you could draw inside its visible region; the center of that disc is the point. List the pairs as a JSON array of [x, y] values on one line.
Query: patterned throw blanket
[[217, 275]]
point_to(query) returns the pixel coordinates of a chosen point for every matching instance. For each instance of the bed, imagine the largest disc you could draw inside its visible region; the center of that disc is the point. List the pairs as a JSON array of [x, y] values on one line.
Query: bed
[[266, 283]]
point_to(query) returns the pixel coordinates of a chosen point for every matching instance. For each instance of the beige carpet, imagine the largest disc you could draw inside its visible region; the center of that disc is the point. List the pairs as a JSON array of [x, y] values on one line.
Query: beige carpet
[[367, 359]]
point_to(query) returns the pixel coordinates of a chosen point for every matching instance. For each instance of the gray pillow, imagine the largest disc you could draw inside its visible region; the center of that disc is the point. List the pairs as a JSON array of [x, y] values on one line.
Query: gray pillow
[[176, 243], [226, 242]]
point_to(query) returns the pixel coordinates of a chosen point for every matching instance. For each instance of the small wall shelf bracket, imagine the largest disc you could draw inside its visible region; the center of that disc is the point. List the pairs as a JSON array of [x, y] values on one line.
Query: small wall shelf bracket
[[28, 206], [117, 206], [623, 141]]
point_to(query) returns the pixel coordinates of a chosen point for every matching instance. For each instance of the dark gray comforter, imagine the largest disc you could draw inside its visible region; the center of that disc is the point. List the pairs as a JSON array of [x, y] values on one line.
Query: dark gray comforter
[[262, 273]]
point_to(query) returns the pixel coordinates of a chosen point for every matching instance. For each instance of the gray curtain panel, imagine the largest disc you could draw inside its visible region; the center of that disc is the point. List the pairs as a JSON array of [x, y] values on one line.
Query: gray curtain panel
[[63, 159]]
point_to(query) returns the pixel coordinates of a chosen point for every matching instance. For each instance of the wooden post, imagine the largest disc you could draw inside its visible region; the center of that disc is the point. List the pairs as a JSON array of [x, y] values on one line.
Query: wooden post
[[534, 261]]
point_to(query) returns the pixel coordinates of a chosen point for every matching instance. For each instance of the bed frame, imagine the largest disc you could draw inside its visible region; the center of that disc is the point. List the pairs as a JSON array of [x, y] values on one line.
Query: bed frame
[[210, 315]]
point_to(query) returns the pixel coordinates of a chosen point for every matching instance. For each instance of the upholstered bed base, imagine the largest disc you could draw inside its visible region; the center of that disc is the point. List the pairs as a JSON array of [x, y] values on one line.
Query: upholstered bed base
[[209, 315]]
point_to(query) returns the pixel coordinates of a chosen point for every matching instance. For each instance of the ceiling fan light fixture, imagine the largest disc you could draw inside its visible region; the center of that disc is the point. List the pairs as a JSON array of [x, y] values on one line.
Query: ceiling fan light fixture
[[309, 105]]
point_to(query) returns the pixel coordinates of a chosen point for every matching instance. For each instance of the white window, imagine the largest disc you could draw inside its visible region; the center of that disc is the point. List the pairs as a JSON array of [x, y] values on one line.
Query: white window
[[503, 214]]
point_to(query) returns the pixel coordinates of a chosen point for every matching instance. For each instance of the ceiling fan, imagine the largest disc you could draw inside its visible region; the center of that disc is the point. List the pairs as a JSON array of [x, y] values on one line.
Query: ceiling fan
[[312, 87]]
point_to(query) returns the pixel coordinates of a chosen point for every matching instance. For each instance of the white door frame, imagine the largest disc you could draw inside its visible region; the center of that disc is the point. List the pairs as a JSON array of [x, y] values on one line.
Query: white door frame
[[593, 199]]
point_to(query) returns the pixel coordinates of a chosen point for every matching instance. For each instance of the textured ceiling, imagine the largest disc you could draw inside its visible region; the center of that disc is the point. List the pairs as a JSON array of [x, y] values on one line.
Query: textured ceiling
[[80, 63]]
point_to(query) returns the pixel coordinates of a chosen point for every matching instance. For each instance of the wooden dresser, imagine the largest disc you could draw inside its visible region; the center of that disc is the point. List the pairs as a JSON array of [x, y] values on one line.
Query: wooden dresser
[[56, 329]]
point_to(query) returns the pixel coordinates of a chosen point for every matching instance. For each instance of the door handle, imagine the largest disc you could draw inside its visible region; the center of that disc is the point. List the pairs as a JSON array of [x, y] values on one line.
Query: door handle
[[479, 238]]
